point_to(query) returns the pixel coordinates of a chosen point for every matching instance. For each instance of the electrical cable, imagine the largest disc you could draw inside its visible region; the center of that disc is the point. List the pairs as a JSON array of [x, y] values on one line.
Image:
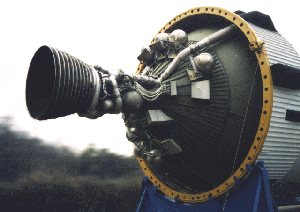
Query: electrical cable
[[237, 149]]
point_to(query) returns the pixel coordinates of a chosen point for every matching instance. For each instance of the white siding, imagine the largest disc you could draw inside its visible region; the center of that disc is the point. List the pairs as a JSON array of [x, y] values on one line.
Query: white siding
[[282, 146]]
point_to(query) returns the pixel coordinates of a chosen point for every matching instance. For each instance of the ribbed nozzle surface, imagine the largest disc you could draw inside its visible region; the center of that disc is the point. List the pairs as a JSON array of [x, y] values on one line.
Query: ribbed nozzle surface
[[59, 84]]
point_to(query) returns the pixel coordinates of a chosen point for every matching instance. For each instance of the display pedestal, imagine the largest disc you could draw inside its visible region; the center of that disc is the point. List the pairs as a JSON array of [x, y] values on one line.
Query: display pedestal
[[251, 194]]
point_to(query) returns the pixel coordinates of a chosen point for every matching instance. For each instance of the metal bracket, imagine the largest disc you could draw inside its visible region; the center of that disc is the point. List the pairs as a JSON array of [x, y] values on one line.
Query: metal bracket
[[173, 88], [155, 117], [193, 72], [171, 147], [200, 89], [257, 45]]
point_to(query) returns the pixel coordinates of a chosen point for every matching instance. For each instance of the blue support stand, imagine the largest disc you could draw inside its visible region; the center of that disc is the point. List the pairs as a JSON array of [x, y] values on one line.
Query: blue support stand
[[252, 194]]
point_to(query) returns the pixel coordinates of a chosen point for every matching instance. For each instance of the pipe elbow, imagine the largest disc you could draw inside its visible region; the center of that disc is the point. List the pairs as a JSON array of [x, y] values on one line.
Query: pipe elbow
[[117, 96]]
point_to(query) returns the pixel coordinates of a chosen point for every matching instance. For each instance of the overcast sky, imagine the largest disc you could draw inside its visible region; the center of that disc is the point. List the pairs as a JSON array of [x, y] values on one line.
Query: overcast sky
[[107, 33]]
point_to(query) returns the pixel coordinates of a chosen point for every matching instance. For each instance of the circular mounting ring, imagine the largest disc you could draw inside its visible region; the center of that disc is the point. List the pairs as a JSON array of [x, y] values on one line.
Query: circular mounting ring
[[256, 45]]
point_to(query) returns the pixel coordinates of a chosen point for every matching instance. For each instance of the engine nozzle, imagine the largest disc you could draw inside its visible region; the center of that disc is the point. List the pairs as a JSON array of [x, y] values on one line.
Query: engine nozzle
[[59, 84]]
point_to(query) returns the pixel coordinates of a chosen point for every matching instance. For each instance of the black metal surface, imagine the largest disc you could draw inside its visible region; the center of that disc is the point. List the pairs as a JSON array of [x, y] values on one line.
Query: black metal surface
[[292, 115], [58, 84], [198, 125], [257, 18], [199, 21], [209, 131], [285, 76]]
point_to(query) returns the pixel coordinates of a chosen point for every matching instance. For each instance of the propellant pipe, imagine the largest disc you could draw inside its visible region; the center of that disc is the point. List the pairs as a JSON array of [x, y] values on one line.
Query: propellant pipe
[[117, 96], [211, 39]]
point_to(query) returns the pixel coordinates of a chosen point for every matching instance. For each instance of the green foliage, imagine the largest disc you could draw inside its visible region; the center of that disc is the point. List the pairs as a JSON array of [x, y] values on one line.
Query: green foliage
[[41, 177], [105, 164], [86, 195], [16, 152], [21, 154]]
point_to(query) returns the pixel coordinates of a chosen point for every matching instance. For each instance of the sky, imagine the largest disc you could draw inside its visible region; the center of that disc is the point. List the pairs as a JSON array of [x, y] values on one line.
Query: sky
[[110, 34]]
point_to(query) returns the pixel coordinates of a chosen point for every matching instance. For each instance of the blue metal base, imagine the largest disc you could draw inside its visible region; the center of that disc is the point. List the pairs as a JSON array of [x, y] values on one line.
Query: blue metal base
[[287, 201], [251, 194]]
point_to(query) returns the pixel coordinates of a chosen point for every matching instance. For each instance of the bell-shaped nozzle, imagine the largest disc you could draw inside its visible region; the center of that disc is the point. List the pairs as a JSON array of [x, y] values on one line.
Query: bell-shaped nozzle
[[59, 84]]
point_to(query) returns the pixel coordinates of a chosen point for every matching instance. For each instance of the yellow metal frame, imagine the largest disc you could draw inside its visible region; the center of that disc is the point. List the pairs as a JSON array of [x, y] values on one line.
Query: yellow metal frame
[[256, 45]]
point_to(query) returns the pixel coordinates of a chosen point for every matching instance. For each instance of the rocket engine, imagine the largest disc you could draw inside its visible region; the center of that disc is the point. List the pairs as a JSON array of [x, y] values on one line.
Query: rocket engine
[[214, 91]]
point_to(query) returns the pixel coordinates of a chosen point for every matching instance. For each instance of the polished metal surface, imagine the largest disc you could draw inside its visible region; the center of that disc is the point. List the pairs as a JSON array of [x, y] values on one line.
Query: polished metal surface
[[108, 105], [161, 37], [117, 96], [179, 37], [132, 101], [211, 39], [204, 62]]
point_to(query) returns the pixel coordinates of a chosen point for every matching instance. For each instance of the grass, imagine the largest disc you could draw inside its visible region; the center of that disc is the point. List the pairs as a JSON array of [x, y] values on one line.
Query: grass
[[42, 192]]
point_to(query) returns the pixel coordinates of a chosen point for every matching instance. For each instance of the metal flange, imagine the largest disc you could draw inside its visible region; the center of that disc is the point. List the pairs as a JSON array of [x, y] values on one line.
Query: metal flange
[[255, 44]]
